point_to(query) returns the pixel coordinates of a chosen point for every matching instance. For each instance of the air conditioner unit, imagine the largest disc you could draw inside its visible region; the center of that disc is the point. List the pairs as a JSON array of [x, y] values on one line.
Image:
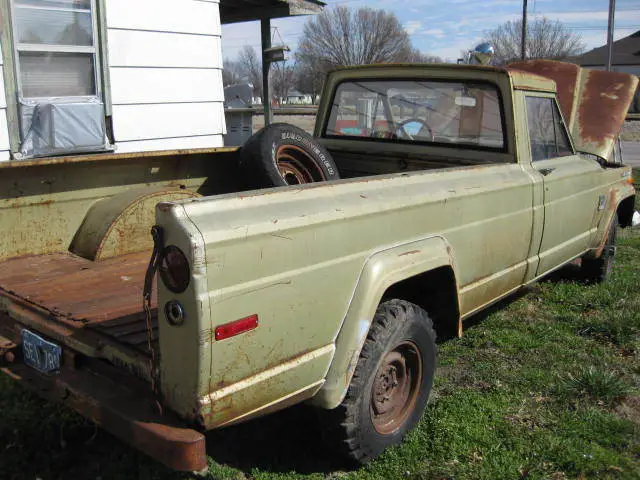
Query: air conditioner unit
[[61, 127]]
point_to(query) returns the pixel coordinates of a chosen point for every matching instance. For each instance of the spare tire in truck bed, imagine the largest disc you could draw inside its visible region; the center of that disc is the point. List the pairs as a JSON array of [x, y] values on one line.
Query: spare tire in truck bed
[[281, 154]]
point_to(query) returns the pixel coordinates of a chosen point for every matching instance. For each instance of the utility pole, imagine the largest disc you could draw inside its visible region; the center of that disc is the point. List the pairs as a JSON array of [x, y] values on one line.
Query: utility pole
[[523, 44], [610, 27]]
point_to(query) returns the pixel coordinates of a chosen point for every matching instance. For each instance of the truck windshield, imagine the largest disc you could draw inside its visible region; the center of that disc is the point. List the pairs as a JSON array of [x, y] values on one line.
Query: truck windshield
[[418, 111]]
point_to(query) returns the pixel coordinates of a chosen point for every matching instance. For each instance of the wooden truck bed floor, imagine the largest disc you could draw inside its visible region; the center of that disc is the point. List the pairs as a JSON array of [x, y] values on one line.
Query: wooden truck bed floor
[[105, 296]]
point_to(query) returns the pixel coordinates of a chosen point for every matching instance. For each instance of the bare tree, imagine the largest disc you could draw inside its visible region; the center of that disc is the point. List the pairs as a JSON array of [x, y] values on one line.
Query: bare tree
[[340, 37], [231, 72], [282, 78], [416, 56], [545, 39], [251, 68], [309, 75]]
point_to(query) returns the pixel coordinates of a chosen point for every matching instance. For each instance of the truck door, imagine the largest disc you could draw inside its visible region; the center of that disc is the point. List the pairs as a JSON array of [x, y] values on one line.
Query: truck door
[[571, 193]]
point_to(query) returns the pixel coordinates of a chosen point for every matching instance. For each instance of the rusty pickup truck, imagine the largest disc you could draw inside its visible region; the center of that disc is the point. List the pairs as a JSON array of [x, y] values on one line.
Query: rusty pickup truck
[[426, 194]]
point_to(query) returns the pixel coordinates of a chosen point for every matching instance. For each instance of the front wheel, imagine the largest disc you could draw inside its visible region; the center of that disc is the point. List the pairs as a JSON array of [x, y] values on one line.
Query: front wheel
[[597, 270], [391, 382]]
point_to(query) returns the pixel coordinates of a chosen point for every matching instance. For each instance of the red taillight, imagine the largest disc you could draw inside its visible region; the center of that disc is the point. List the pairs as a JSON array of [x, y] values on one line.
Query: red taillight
[[174, 269], [236, 328]]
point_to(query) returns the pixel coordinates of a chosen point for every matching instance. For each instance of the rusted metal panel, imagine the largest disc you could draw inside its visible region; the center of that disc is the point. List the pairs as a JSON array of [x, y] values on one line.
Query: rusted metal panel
[[593, 102], [128, 156], [60, 283], [124, 408], [602, 107], [43, 203], [120, 224], [93, 307], [523, 80], [565, 75]]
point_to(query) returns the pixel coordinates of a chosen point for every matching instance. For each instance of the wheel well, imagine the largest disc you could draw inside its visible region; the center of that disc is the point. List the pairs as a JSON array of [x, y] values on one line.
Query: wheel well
[[625, 211], [435, 291]]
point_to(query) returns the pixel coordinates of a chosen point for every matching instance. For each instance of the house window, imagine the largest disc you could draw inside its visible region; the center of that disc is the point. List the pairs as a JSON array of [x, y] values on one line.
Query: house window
[[56, 48]]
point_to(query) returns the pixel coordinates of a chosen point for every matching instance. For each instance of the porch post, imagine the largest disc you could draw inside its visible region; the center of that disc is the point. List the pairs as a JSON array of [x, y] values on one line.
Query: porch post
[[266, 87]]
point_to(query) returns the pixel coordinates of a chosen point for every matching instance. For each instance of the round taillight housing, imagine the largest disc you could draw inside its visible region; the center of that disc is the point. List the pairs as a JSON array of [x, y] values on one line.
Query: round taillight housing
[[174, 269]]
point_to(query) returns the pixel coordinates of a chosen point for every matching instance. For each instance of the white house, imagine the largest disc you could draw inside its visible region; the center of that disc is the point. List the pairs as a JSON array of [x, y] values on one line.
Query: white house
[[625, 58], [85, 76], [294, 97]]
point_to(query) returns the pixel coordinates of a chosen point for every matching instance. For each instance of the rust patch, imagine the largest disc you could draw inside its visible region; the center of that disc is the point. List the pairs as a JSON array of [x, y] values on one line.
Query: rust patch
[[124, 411], [411, 252], [564, 74], [594, 102], [606, 96]]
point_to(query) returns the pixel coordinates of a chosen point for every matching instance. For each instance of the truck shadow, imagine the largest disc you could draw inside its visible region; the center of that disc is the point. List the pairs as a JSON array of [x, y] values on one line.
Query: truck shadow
[[291, 440], [568, 273]]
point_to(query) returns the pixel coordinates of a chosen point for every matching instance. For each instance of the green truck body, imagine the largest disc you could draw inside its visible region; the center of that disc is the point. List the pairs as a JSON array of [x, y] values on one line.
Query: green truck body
[[450, 228]]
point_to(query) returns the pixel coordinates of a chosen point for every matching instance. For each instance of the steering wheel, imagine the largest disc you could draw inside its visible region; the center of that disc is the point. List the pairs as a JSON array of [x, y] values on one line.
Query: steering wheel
[[403, 132]]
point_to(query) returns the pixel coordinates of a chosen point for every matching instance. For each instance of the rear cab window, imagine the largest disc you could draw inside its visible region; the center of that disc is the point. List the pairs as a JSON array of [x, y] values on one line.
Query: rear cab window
[[434, 112]]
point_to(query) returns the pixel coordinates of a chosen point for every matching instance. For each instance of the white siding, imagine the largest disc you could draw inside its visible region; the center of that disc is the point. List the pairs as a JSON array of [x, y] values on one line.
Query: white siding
[[133, 49], [165, 68], [4, 129], [165, 85], [134, 122], [165, 16], [204, 141]]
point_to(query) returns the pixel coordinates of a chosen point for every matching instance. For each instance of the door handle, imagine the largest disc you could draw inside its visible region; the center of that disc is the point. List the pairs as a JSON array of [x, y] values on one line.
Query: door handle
[[546, 171]]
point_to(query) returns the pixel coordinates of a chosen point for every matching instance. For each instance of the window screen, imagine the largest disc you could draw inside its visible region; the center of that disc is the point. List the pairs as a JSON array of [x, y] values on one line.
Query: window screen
[[547, 133], [55, 43]]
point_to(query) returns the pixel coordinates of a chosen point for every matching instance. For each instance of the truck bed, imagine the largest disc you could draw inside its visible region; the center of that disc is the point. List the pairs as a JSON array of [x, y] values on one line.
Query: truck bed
[[104, 296]]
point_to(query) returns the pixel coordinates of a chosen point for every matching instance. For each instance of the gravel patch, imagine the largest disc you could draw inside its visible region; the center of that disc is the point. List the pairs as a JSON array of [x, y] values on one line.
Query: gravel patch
[[631, 131]]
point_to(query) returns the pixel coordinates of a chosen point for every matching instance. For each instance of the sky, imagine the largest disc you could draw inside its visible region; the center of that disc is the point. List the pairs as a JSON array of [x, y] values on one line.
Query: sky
[[446, 27]]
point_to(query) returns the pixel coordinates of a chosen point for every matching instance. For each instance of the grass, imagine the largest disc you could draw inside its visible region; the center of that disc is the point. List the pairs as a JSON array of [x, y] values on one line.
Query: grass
[[545, 386]]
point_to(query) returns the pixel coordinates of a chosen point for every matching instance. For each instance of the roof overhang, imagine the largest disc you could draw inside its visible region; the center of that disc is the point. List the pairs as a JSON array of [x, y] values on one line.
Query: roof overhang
[[232, 11]]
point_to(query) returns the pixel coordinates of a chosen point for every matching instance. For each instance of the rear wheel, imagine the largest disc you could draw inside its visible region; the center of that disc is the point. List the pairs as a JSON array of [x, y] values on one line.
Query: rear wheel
[[597, 270], [391, 382]]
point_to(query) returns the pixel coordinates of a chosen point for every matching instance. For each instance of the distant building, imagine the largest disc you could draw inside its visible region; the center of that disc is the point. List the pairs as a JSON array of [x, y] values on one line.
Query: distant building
[[625, 58], [295, 97]]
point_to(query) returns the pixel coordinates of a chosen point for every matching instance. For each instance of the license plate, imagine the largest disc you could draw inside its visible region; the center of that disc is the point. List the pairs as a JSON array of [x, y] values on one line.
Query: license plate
[[40, 354]]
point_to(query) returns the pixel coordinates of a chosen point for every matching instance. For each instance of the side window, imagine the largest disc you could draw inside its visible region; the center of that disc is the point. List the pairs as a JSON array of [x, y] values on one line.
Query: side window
[[562, 138], [547, 133]]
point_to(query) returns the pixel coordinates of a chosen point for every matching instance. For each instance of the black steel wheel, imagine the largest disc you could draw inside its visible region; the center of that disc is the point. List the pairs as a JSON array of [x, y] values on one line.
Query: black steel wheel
[[391, 383]]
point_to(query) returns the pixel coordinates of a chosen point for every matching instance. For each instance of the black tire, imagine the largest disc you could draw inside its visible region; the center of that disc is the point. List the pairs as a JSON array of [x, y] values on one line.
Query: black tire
[[597, 270], [364, 430], [281, 154]]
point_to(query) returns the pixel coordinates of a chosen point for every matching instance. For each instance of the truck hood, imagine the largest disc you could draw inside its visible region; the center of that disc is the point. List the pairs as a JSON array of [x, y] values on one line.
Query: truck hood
[[594, 102]]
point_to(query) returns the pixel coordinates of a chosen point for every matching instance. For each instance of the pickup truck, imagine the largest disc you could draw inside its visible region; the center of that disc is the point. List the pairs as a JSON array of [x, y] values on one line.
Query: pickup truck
[[427, 193]]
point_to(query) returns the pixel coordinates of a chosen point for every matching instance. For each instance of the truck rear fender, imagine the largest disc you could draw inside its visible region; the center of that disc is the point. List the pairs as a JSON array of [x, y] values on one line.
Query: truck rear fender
[[419, 271]]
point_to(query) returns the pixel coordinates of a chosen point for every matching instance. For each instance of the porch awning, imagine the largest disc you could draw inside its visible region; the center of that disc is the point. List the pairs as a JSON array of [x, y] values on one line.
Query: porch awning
[[232, 11]]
